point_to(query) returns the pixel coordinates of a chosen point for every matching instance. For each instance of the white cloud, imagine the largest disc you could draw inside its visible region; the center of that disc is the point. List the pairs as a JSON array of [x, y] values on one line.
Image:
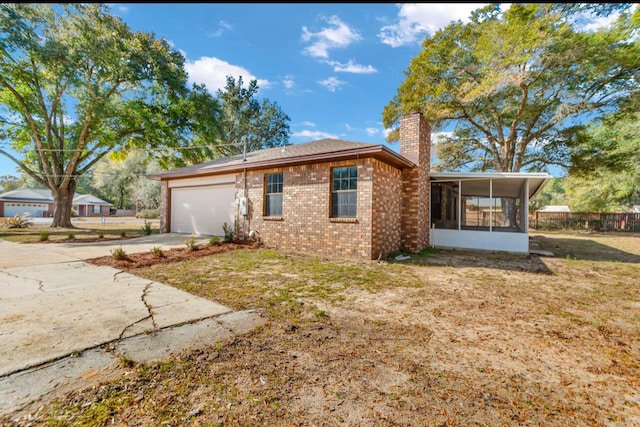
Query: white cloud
[[288, 82], [351, 67], [415, 21], [222, 27], [372, 131], [332, 84], [440, 137], [337, 35], [386, 132], [313, 134], [213, 73], [594, 23], [310, 124]]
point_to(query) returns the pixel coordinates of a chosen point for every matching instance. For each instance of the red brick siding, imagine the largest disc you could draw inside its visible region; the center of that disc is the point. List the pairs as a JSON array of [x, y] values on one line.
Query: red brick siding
[[306, 226], [415, 144], [165, 207], [387, 209]]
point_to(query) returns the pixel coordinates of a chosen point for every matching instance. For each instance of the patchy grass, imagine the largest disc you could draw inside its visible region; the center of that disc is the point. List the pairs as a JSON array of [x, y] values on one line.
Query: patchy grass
[[443, 338], [82, 232]]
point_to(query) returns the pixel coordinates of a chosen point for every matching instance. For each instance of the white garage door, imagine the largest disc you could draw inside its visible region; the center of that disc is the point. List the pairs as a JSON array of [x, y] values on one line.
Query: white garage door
[[13, 209], [202, 210]]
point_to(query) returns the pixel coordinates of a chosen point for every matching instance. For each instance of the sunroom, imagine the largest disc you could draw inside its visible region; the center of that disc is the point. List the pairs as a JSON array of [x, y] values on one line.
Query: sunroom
[[483, 211]]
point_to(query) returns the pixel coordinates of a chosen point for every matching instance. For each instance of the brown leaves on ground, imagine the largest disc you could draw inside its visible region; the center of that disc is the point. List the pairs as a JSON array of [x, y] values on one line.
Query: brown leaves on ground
[[452, 338]]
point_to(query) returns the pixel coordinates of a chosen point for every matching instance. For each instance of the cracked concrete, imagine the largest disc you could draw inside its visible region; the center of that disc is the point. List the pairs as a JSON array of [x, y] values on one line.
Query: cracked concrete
[[58, 320]]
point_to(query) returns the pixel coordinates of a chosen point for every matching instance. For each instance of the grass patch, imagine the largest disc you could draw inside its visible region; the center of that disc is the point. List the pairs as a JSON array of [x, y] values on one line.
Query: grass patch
[[266, 279], [82, 231], [454, 338]]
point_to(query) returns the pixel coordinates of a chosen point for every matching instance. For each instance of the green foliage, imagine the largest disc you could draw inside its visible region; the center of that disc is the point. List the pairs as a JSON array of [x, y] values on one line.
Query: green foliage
[[146, 228], [118, 254], [149, 213], [123, 233], [191, 243], [22, 220], [71, 235], [261, 124], [100, 234], [10, 182], [76, 83], [552, 194], [605, 171], [228, 233], [214, 241], [43, 236], [512, 83], [157, 252]]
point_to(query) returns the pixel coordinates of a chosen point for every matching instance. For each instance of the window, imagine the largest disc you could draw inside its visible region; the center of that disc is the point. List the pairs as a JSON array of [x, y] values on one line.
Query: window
[[273, 194], [95, 208], [344, 188]]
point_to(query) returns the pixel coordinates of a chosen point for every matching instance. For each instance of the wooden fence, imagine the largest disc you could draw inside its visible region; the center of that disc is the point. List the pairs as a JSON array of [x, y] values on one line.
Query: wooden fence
[[623, 221]]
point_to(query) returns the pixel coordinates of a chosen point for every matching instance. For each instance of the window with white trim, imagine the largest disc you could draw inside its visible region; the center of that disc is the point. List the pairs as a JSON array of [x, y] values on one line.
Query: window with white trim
[[273, 194], [344, 192]]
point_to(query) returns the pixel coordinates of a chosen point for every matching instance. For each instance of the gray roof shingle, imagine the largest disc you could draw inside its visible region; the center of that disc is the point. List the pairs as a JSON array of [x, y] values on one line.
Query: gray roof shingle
[[297, 153]]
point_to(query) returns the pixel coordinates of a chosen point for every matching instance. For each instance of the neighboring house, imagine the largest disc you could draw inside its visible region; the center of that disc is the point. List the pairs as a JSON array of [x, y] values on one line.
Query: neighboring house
[[337, 198], [555, 208], [39, 203]]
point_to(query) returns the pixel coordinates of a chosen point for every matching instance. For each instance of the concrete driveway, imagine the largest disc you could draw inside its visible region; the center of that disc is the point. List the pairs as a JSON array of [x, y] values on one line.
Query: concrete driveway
[[55, 307]]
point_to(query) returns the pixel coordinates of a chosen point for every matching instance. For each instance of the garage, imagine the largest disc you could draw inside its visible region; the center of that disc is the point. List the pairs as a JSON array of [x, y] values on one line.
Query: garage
[[202, 209], [34, 209]]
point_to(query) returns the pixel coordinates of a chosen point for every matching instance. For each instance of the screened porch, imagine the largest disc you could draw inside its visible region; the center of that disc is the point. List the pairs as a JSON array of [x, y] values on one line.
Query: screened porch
[[487, 211]]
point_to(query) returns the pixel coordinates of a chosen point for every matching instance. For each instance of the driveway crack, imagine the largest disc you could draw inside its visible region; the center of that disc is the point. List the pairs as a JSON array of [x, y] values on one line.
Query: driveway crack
[[149, 309], [38, 281]]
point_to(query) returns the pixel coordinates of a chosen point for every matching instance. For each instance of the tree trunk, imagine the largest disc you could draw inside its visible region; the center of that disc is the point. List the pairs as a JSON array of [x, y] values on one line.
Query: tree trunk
[[63, 205], [509, 212]]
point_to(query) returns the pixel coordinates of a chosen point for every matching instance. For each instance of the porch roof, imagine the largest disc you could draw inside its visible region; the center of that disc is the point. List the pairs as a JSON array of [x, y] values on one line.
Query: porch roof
[[505, 184]]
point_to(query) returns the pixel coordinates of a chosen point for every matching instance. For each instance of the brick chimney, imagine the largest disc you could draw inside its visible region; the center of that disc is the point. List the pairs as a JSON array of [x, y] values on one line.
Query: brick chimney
[[415, 145]]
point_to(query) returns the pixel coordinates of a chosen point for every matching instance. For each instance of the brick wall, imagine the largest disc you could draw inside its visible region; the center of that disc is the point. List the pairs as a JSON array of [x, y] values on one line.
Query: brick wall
[[415, 144], [305, 225], [387, 209], [165, 207]]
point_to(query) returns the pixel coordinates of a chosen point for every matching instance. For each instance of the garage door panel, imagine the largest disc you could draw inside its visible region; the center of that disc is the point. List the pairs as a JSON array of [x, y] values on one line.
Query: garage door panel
[[34, 209], [202, 210]]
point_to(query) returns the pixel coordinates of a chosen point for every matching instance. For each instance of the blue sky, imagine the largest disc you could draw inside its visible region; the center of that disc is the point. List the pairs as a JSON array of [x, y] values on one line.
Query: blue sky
[[331, 67]]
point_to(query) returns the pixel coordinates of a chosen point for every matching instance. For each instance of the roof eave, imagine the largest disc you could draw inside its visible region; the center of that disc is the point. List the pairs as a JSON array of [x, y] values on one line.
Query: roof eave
[[377, 151]]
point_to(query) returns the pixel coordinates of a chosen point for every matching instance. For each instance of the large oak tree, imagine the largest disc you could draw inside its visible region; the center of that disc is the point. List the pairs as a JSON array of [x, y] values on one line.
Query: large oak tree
[[514, 84], [77, 83]]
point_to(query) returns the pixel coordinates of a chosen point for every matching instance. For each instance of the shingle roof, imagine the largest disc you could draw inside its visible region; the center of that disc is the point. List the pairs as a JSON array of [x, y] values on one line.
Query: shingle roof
[[32, 194], [44, 195], [308, 152], [88, 199]]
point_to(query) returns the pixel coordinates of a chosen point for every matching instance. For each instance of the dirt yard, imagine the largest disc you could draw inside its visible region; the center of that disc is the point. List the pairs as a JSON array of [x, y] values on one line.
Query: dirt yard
[[442, 339]]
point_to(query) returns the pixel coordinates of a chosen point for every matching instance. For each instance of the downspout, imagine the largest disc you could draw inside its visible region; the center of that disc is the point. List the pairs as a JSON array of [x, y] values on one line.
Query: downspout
[[244, 191]]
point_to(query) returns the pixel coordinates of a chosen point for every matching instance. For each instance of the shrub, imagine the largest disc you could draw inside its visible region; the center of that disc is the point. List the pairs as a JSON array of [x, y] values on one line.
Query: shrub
[[157, 251], [214, 241], [123, 233], [118, 253], [44, 236], [227, 230], [191, 243], [146, 228], [149, 213], [71, 235], [22, 220], [100, 234]]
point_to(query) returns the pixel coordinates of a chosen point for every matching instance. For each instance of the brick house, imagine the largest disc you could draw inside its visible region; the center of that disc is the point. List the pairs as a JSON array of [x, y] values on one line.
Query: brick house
[[328, 198], [38, 202]]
